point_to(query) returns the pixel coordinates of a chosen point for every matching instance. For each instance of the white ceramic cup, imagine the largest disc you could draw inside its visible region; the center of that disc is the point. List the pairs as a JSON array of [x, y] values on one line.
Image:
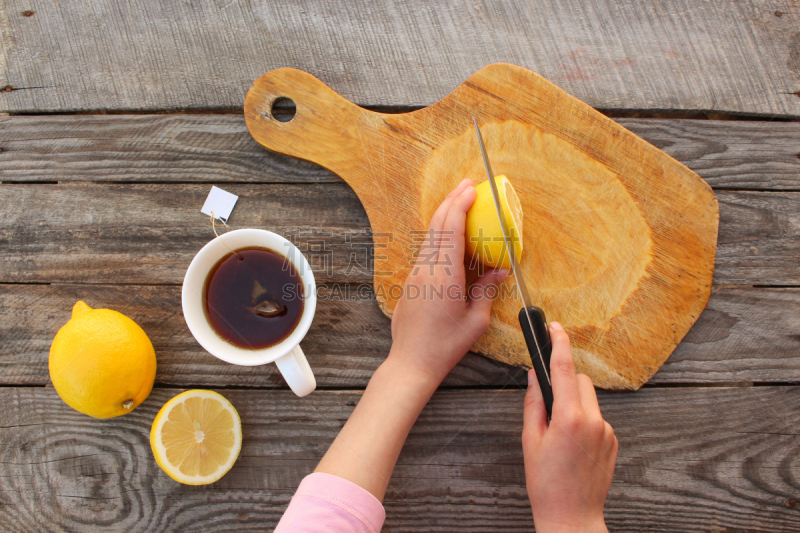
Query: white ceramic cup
[[287, 354]]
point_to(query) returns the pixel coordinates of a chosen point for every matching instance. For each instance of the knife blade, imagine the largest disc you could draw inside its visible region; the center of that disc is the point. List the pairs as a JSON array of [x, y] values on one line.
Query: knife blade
[[531, 318]]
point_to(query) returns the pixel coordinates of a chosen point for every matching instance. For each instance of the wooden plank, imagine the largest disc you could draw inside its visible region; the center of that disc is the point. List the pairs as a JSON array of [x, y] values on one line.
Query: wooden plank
[[150, 233], [134, 233], [143, 148], [758, 238], [729, 154], [349, 338], [681, 54], [744, 336], [720, 459], [218, 148]]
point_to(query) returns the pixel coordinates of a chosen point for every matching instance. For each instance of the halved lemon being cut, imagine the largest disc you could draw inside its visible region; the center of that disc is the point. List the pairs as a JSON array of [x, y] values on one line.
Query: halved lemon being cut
[[196, 437], [483, 231]]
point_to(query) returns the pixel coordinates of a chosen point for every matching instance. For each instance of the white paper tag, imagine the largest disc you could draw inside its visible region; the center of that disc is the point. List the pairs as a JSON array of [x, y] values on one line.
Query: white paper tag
[[220, 202]]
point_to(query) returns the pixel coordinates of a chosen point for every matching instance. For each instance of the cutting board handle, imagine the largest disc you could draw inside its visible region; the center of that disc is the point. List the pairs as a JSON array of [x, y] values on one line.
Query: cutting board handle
[[325, 128]]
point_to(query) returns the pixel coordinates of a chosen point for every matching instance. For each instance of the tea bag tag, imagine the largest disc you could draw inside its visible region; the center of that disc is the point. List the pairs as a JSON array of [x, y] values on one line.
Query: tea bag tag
[[220, 203]]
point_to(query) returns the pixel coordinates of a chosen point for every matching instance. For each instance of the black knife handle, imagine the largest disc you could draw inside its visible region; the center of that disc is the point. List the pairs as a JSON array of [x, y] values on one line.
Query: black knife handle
[[538, 333]]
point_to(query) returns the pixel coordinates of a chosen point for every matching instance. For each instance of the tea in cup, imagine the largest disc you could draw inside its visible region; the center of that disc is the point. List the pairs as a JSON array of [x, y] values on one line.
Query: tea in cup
[[248, 298]]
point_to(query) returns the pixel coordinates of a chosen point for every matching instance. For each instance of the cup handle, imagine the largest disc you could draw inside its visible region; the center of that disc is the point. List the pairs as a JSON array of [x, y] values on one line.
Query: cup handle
[[297, 372]]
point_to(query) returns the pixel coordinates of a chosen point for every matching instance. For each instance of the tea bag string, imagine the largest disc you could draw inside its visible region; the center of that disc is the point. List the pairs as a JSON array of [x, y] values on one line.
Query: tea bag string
[[214, 227]]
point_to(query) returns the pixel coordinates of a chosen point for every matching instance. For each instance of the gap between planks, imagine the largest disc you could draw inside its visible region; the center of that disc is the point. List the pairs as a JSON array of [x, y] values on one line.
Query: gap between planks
[[647, 386], [611, 113], [245, 182]]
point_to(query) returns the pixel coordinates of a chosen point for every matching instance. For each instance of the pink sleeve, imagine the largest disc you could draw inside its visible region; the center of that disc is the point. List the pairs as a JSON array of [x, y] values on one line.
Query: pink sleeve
[[330, 504]]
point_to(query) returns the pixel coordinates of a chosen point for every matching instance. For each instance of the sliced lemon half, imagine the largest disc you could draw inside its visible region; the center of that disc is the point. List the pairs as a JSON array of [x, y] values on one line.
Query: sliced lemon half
[[196, 437], [483, 230]]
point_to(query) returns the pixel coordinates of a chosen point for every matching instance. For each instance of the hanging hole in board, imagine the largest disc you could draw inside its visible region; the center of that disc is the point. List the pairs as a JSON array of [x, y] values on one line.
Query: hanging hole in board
[[283, 109]]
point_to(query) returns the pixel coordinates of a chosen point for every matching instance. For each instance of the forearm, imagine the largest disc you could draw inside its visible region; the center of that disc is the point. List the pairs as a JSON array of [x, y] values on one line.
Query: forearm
[[367, 448]]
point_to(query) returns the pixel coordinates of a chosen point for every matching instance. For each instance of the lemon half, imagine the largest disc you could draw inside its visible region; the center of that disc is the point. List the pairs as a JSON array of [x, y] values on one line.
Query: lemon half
[[196, 437], [484, 233]]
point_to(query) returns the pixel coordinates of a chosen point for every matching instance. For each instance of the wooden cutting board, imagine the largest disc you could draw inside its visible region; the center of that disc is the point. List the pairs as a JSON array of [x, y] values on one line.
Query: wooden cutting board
[[619, 238]]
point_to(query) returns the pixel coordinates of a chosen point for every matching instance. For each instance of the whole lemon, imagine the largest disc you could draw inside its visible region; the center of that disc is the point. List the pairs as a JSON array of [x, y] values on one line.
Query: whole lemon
[[483, 231], [101, 362]]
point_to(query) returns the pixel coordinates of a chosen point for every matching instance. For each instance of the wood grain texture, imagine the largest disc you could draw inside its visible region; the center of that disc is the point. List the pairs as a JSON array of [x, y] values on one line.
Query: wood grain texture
[[766, 243], [150, 233], [729, 154], [745, 335], [137, 233], [219, 149], [705, 460], [347, 341], [678, 54], [627, 260], [150, 148]]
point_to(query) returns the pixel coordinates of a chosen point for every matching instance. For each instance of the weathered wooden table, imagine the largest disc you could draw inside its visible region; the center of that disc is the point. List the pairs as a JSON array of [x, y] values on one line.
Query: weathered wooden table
[[121, 115]]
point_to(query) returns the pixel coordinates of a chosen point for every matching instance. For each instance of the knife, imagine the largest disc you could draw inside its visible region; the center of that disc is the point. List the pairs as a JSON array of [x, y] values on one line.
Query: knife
[[531, 318]]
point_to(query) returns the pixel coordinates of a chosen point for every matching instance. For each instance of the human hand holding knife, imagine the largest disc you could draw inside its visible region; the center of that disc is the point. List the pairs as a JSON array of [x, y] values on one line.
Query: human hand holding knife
[[531, 318]]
